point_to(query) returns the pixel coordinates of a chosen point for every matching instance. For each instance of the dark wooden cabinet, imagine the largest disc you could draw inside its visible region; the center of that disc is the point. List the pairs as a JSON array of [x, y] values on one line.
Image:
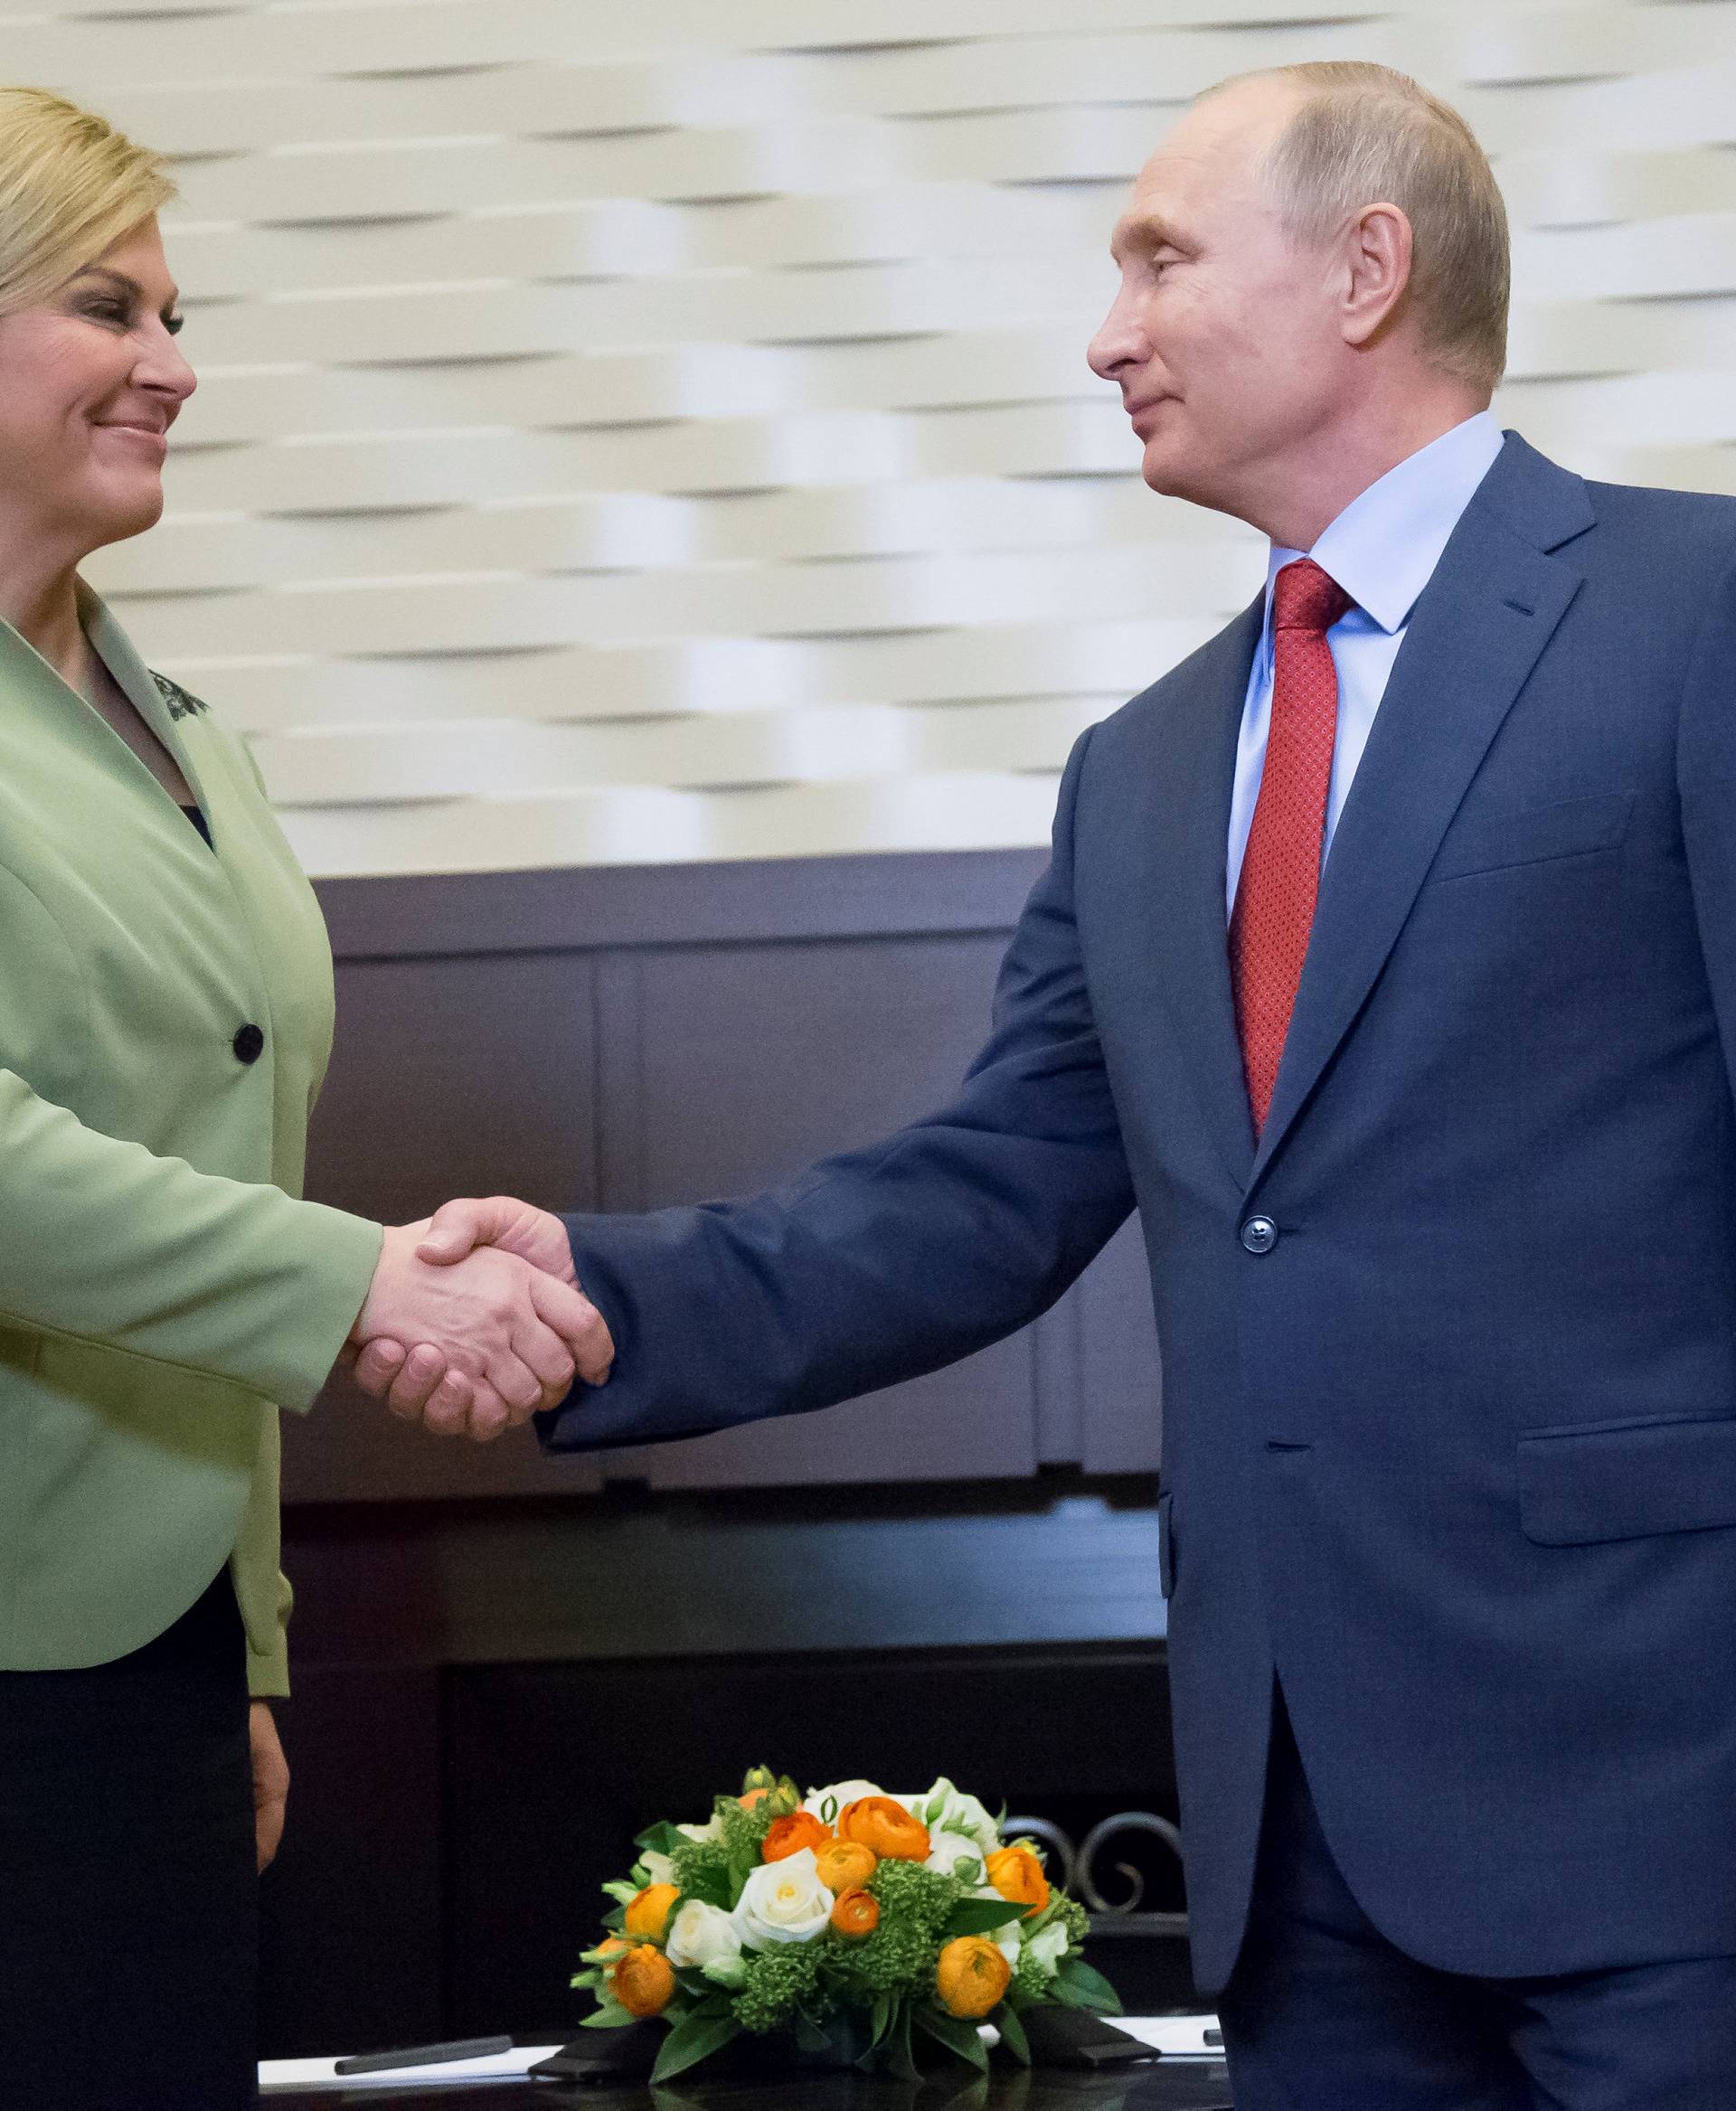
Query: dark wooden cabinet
[[615, 1744], [507, 1663], [450, 1828]]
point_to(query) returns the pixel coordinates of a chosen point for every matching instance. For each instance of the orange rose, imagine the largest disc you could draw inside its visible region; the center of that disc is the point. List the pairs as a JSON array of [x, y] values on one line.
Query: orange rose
[[789, 1835], [971, 1975], [856, 1914], [845, 1865], [885, 1827], [1017, 1874], [648, 1912], [644, 1980]]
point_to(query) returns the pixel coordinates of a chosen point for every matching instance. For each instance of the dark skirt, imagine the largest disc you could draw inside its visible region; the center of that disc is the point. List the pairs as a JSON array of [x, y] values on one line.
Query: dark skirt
[[128, 1901]]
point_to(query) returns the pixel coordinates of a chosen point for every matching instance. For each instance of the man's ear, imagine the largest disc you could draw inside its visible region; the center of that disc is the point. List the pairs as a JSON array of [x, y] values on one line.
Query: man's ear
[[1378, 256]]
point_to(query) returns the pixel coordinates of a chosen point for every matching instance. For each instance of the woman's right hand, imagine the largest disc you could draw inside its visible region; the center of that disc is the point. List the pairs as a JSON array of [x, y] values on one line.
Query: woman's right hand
[[509, 1337]]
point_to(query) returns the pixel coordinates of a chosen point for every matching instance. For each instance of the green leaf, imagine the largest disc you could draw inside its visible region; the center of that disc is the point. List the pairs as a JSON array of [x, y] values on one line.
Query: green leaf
[[811, 2037], [661, 1839], [1005, 2021], [616, 1920], [978, 1916], [743, 1860], [896, 2053], [1095, 1991], [611, 2016], [711, 1886], [695, 2037], [1068, 1995], [959, 2034], [880, 2022]]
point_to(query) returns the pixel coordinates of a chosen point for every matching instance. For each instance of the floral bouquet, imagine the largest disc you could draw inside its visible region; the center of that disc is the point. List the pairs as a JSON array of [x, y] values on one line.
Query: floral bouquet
[[845, 1927]]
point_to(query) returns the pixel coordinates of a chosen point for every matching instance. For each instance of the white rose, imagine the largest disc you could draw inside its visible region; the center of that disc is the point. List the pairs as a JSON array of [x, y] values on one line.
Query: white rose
[[837, 1795], [1006, 1939], [711, 1829], [1049, 1946], [947, 1809], [783, 1902], [658, 1868], [701, 1936], [947, 1848]]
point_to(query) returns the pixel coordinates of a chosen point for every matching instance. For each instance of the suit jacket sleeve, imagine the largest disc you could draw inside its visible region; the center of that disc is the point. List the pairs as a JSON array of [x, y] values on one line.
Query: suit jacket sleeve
[[1706, 786], [886, 1262]]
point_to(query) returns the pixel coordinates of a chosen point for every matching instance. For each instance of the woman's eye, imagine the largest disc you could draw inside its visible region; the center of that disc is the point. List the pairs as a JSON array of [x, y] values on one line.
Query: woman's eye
[[175, 324], [108, 311]]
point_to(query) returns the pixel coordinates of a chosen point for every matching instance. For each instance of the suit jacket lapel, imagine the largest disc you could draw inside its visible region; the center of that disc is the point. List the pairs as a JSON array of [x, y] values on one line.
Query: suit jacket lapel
[[1482, 623], [1179, 817]]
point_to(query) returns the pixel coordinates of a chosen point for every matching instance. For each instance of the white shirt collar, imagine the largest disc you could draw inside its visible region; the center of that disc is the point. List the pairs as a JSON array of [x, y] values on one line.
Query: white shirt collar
[[1383, 547]]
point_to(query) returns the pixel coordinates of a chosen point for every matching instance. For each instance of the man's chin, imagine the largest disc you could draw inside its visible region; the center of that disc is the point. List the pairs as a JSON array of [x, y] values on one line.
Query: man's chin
[[1173, 473], [1167, 470]]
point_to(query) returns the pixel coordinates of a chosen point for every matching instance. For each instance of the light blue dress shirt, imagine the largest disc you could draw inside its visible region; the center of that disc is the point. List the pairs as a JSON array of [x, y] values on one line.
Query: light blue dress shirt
[[1383, 550]]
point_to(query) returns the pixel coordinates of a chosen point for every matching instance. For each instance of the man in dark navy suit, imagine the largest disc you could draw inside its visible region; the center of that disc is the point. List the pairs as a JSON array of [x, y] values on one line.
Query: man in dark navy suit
[[1387, 961]]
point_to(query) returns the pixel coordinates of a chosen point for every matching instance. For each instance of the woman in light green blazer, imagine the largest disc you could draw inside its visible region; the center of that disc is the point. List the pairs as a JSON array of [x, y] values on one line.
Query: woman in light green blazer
[[165, 1016]]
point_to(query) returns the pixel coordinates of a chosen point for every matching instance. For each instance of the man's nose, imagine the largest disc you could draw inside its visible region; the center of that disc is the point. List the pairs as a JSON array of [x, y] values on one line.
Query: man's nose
[[1120, 341]]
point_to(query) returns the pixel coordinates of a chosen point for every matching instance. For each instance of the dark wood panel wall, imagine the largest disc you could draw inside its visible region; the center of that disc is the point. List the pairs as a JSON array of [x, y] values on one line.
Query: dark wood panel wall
[[620, 1041]]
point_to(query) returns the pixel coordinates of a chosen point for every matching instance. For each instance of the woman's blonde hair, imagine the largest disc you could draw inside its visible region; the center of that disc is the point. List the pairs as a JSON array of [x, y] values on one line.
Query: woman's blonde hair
[[71, 185]]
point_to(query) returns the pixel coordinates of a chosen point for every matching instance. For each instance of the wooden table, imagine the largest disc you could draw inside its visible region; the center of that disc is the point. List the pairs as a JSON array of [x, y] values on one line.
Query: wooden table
[[1161, 2085]]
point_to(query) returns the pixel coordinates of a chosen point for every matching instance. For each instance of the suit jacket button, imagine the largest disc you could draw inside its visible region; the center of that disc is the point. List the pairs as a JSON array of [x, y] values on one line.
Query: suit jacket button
[[248, 1044], [1259, 1235]]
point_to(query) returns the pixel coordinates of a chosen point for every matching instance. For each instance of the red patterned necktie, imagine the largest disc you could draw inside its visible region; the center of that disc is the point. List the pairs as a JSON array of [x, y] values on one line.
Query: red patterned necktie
[[1280, 871]]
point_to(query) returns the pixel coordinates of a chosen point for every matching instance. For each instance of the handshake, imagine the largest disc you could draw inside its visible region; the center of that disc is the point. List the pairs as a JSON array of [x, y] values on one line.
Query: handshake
[[475, 1320]]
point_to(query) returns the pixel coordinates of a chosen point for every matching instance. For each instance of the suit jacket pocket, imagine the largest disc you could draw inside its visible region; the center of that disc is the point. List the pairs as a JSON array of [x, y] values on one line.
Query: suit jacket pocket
[[1622, 1480], [1533, 835]]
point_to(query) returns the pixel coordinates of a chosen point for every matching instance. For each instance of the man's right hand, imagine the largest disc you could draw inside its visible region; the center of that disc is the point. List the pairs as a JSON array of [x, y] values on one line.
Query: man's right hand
[[509, 1336]]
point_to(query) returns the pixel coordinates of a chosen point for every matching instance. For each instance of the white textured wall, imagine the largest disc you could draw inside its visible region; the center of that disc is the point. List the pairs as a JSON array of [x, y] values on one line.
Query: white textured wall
[[640, 431]]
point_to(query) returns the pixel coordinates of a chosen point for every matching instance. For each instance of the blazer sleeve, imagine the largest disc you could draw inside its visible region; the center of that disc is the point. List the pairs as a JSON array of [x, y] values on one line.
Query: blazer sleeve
[[267, 1672], [100, 1240], [883, 1263]]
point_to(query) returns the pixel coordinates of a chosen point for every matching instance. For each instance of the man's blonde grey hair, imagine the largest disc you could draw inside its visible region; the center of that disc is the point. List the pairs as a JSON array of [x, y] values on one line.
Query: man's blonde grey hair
[[70, 187], [1366, 135]]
